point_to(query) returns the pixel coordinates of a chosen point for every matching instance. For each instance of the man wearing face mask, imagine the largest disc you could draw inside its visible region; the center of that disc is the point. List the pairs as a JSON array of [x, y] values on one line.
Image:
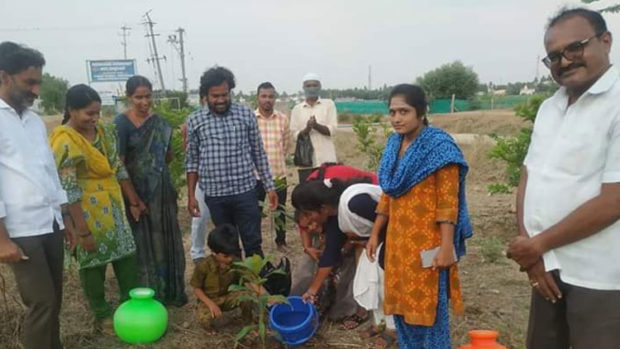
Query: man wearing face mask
[[318, 118]]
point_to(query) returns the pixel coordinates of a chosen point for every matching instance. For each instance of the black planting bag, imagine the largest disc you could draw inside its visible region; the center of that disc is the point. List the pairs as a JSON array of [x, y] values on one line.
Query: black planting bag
[[303, 151]]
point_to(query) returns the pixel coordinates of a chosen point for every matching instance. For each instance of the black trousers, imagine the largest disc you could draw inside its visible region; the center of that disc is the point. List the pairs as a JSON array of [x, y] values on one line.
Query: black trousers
[[39, 281], [242, 211]]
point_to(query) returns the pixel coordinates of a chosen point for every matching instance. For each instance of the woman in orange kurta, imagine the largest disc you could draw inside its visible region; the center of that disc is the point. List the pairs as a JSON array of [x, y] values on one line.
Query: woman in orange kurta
[[422, 176], [410, 289]]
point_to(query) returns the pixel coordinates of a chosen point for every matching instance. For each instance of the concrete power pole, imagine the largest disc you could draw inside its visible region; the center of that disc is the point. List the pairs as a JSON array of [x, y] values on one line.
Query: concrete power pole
[[174, 41], [369, 77], [155, 58], [125, 30]]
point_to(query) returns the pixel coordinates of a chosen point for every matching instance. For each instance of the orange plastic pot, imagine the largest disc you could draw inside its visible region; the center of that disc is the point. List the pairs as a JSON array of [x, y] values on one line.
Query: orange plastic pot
[[483, 339]]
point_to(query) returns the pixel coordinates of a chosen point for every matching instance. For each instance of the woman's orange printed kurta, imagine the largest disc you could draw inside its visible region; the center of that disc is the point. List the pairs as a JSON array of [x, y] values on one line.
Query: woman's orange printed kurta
[[410, 290]]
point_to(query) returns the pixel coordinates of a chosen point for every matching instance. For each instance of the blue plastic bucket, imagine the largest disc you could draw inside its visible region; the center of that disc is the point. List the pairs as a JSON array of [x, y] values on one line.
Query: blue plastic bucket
[[296, 322]]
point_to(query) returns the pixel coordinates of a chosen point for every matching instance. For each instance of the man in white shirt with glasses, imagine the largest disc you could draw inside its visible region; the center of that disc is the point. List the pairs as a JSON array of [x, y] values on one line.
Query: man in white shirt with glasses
[[568, 201], [31, 217]]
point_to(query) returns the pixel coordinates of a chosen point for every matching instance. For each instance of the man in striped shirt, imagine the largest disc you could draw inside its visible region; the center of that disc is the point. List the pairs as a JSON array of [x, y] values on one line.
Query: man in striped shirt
[[276, 135]]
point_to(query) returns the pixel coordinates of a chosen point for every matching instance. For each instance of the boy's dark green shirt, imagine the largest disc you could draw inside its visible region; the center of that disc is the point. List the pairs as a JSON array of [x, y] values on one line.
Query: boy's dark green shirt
[[211, 280]]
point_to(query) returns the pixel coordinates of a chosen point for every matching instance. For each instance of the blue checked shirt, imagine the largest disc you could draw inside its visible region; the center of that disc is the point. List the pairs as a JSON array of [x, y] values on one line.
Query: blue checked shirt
[[225, 149]]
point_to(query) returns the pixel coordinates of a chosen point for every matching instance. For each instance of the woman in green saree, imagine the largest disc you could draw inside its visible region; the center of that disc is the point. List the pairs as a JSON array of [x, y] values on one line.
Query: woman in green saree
[[144, 147]]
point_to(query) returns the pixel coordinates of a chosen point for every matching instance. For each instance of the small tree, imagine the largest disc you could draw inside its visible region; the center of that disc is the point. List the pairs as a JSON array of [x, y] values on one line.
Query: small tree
[[279, 183], [513, 150], [250, 284], [367, 141], [176, 118], [53, 92], [514, 88], [453, 78]]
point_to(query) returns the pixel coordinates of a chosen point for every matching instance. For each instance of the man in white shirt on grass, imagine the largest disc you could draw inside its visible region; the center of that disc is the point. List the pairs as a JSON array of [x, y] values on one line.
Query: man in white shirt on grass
[[31, 217], [318, 118], [568, 201]]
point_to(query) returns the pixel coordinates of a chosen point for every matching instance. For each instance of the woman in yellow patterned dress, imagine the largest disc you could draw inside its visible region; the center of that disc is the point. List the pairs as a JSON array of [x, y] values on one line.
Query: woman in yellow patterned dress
[[92, 175], [422, 175]]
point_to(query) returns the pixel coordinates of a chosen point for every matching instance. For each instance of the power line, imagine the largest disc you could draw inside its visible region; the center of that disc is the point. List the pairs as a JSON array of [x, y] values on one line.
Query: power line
[[80, 28]]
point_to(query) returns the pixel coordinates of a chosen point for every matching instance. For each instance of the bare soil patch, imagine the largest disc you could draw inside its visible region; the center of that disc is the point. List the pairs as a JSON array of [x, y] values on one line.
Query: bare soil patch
[[485, 122]]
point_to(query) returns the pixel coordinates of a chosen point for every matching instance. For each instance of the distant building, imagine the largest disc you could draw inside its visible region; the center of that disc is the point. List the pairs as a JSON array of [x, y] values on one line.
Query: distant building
[[526, 91], [499, 92]]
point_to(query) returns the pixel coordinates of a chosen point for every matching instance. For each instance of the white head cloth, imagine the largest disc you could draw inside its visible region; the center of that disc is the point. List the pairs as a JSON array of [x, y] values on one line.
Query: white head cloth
[[350, 222], [311, 77]]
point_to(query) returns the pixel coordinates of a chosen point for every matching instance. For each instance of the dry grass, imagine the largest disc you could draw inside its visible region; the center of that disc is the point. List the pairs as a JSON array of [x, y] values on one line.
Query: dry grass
[[496, 294]]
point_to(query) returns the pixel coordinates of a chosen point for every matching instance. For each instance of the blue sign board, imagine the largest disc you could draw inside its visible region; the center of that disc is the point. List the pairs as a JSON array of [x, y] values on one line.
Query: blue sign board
[[111, 70]]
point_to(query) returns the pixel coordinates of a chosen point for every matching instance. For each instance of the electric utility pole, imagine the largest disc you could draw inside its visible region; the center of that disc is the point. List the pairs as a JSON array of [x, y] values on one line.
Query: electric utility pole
[[125, 33], [155, 57], [178, 43]]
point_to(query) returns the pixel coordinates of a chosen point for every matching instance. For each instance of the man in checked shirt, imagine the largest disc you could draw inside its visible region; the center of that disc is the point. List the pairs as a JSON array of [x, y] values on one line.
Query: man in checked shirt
[[224, 147], [276, 133]]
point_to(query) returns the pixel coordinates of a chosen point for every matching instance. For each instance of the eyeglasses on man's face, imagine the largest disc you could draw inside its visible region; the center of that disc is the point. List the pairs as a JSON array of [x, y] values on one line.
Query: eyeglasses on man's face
[[571, 52]]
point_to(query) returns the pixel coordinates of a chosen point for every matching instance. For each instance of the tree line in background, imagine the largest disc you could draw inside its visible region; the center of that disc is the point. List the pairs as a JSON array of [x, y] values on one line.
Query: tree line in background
[[448, 80], [53, 92], [461, 81], [441, 83], [355, 93], [381, 93]]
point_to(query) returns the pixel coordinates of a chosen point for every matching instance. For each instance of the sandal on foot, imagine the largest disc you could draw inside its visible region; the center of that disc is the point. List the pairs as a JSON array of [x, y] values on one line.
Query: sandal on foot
[[370, 331]]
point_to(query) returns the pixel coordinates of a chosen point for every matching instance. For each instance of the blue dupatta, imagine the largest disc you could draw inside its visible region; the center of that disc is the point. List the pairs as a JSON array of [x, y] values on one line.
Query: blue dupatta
[[432, 150]]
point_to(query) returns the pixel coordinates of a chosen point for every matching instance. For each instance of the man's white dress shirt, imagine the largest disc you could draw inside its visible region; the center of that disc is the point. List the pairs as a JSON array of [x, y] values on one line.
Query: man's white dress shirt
[[30, 190], [574, 150]]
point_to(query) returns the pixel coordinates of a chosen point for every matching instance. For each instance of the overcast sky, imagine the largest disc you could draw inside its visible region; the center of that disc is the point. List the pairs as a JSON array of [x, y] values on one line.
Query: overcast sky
[[281, 40]]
